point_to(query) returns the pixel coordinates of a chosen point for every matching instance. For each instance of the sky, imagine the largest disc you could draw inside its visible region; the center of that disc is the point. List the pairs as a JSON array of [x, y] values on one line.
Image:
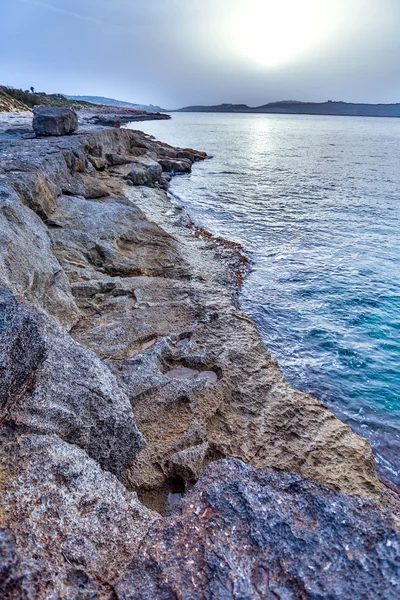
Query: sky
[[175, 53]]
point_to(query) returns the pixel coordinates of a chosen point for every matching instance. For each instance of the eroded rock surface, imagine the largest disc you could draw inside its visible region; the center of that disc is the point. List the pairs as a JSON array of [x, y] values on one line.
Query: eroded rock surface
[[28, 266], [69, 528], [52, 385], [257, 535], [127, 368]]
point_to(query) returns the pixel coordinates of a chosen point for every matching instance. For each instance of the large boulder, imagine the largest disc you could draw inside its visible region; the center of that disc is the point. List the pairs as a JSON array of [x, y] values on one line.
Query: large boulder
[[243, 534], [68, 528], [50, 120], [52, 385]]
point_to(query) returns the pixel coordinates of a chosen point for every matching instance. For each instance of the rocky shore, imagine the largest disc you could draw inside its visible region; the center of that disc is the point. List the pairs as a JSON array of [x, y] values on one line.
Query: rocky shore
[[150, 446]]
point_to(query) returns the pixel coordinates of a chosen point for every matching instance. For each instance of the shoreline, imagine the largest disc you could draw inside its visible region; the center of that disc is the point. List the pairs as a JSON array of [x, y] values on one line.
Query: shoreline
[[141, 379], [241, 267]]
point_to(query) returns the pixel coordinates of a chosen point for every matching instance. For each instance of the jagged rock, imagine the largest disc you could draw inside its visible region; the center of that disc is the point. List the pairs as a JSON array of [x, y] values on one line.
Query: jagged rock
[[12, 586], [52, 385], [35, 192], [156, 305], [145, 174], [164, 150], [50, 120], [248, 411], [170, 165], [22, 350], [27, 264], [189, 463], [248, 535], [69, 528]]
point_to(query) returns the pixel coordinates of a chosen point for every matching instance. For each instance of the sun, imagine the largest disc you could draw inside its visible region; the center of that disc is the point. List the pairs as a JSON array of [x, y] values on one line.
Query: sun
[[276, 32]]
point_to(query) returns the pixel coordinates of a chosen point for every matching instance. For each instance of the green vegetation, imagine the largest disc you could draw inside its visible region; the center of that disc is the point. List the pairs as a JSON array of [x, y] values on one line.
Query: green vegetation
[[25, 100]]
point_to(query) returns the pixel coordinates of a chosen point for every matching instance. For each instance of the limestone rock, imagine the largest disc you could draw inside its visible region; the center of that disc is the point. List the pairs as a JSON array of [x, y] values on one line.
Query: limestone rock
[[144, 294], [22, 350], [53, 385], [35, 192], [256, 535], [246, 410], [170, 165], [69, 528], [28, 266], [145, 174], [113, 237], [50, 120]]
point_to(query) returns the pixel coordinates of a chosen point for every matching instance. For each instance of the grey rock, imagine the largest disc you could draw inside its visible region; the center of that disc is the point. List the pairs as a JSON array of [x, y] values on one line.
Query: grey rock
[[50, 120], [111, 236], [28, 266], [170, 165], [53, 385], [35, 192], [69, 528], [22, 350], [254, 535], [9, 565], [145, 174]]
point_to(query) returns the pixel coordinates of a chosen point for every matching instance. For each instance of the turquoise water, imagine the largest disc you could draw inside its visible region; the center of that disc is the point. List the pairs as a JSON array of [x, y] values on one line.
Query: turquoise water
[[315, 201]]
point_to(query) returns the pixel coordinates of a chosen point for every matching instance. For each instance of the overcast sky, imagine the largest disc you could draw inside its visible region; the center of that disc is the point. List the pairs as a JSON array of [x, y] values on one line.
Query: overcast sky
[[180, 52]]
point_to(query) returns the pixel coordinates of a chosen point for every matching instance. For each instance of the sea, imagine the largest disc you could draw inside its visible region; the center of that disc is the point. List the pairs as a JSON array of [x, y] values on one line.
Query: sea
[[315, 202]]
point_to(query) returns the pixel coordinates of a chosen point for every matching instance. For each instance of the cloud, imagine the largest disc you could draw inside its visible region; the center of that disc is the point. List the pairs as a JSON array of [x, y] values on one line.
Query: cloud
[[61, 11]]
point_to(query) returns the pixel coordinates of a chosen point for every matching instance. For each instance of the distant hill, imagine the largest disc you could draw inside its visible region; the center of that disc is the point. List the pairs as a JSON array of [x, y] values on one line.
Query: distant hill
[[221, 108], [111, 102], [305, 108], [15, 100]]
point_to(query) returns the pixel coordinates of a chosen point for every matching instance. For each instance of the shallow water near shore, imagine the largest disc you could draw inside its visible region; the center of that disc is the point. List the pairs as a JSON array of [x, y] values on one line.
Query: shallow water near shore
[[315, 201]]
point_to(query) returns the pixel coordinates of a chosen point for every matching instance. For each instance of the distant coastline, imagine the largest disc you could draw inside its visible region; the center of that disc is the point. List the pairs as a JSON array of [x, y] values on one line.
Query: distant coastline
[[304, 108]]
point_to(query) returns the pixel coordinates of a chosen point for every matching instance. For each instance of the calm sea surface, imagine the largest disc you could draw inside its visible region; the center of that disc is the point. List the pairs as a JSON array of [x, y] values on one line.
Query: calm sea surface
[[315, 201]]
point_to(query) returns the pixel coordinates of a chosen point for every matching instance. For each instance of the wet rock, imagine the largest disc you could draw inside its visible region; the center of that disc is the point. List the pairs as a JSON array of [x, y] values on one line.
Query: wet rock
[[170, 165], [164, 150], [70, 528], [52, 385], [50, 120], [245, 534]]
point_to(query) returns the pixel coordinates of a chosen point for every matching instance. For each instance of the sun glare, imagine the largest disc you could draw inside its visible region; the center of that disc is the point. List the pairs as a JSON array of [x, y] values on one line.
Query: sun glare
[[273, 33]]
